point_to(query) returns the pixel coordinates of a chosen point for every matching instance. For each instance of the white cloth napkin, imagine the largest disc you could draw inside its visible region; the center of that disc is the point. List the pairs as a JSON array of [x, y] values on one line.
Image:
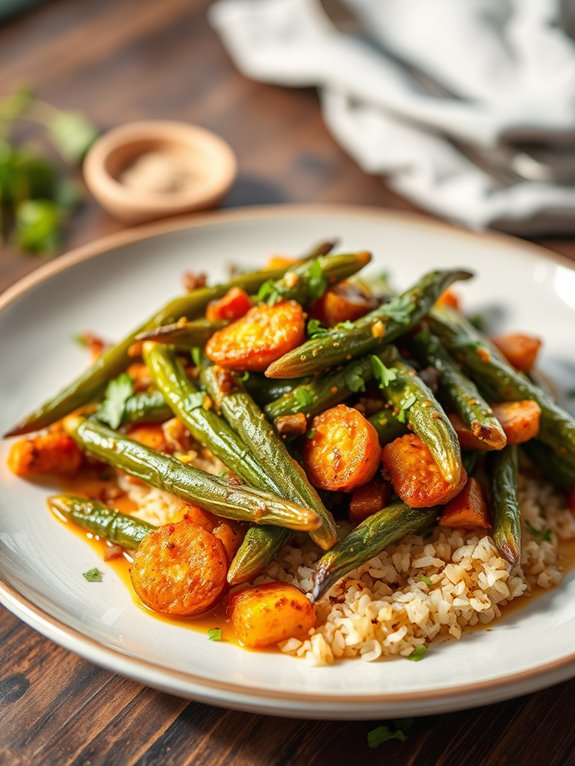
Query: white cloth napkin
[[439, 96]]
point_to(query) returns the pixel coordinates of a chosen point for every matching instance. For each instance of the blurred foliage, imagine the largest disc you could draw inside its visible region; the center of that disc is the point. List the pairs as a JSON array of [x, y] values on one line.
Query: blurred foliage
[[37, 195]]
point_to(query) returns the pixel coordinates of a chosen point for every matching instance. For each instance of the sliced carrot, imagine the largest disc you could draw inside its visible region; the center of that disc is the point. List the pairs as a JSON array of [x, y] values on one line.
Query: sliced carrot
[[259, 338], [415, 475], [341, 303], [150, 435], [233, 305], [468, 510], [478, 439], [279, 262], [449, 298], [369, 499], [520, 420], [343, 452], [520, 350], [49, 452], [267, 614], [179, 569]]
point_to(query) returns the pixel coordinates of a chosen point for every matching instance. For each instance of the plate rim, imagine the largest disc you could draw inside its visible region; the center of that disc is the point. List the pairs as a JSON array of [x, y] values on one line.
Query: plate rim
[[536, 677]]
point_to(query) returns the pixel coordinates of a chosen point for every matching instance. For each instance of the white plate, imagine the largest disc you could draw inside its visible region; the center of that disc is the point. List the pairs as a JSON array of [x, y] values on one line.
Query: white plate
[[109, 287]]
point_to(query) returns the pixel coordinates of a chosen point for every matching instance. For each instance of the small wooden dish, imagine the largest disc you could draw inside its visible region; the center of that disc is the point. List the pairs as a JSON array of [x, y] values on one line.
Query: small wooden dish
[[209, 162]]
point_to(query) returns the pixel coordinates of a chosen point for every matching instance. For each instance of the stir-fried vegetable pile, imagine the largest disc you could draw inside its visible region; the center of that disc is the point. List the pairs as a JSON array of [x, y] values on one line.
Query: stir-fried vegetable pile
[[324, 395]]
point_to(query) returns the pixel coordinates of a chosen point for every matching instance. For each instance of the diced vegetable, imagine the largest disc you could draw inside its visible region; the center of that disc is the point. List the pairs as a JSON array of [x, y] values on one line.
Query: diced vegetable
[[468, 510], [267, 614], [415, 475], [264, 334], [342, 303], [448, 298], [369, 499], [520, 350], [520, 420], [49, 452], [291, 425], [233, 305], [179, 569], [151, 435], [343, 452]]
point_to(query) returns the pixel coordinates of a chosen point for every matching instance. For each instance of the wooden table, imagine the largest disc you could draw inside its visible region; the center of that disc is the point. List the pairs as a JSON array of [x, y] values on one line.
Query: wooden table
[[121, 60]]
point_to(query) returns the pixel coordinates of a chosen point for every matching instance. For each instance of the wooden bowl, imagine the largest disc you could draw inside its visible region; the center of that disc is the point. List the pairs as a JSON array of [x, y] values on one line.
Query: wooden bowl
[[206, 161]]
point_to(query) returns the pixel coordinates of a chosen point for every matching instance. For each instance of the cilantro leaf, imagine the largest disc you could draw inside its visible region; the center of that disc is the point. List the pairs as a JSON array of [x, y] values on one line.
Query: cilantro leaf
[[354, 380], [37, 226], [315, 329], [406, 405], [426, 580], [195, 400], [381, 734], [117, 394], [215, 634], [303, 396], [538, 534], [316, 281], [268, 293], [92, 575], [400, 309], [346, 325], [72, 134], [418, 654], [384, 375]]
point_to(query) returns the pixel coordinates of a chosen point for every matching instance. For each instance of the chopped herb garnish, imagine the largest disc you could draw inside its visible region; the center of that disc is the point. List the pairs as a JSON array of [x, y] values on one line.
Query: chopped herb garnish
[[418, 654], [311, 433], [117, 393], [384, 375], [400, 309], [303, 396], [426, 580], [406, 405], [347, 325], [80, 339], [398, 730], [315, 329], [538, 534], [92, 575], [317, 283], [354, 381], [268, 293], [215, 634]]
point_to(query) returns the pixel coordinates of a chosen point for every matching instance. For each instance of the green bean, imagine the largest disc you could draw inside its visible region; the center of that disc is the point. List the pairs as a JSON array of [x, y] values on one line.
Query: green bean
[[126, 531], [500, 381], [207, 428], [551, 463], [146, 407], [504, 501], [92, 381], [460, 392], [186, 482], [243, 414], [369, 333], [371, 537], [415, 404], [265, 391], [184, 334]]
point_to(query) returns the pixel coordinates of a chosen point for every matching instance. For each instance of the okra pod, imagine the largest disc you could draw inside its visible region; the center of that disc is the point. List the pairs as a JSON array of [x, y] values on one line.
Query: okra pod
[[369, 333], [460, 392], [191, 485], [118, 528], [372, 536], [504, 502]]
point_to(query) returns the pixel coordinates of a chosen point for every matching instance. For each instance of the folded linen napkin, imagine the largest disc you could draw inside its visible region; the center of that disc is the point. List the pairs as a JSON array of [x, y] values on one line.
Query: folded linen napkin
[[466, 108]]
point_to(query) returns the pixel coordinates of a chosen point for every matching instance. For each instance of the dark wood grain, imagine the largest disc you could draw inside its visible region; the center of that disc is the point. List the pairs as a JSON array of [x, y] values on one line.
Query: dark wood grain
[[119, 60]]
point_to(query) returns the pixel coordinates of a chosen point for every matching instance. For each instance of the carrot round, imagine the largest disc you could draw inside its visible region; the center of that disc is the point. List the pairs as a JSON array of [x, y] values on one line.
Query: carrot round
[[343, 452], [265, 615], [49, 452], [415, 475], [260, 337], [179, 569]]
